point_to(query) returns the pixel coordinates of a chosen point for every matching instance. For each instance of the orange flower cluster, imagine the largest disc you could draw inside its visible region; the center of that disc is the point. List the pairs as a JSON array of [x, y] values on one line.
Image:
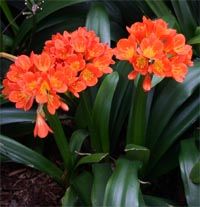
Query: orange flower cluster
[[154, 49], [69, 63]]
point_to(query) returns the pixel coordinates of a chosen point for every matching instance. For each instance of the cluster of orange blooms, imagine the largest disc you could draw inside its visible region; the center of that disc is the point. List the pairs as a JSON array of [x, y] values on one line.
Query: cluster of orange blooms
[[154, 49], [70, 62]]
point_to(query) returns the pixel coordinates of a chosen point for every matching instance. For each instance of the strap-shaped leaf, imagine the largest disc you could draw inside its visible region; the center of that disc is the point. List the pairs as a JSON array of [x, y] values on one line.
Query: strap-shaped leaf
[[189, 155], [101, 113], [137, 119], [178, 124], [93, 158], [136, 152], [11, 115], [60, 139], [22, 154], [195, 173], [185, 17], [76, 142], [123, 186], [98, 21], [167, 102], [70, 198], [157, 201], [121, 102], [101, 172], [83, 185]]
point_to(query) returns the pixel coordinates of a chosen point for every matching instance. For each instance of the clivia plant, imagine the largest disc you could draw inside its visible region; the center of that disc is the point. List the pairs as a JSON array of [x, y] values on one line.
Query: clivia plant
[[131, 127]]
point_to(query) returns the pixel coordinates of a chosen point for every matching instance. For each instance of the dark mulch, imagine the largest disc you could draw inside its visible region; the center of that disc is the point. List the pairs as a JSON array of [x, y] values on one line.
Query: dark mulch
[[24, 186]]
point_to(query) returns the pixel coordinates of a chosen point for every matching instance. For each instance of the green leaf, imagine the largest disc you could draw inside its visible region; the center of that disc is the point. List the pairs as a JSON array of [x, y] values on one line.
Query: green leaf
[[159, 7], [195, 173], [48, 8], [161, 10], [22, 154], [170, 97], [101, 113], [60, 139], [123, 186], [189, 155], [70, 198], [178, 124], [137, 119], [9, 16], [155, 80], [93, 158], [76, 142], [7, 41], [101, 172], [83, 185], [136, 152], [194, 40], [97, 20], [185, 17], [10, 115], [156, 201], [121, 102]]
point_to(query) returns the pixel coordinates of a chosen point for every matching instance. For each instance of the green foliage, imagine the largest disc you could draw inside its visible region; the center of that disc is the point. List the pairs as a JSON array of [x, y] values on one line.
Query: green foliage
[[10, 115], [122, 188], [122, 134], [21, 154], [189, 156]]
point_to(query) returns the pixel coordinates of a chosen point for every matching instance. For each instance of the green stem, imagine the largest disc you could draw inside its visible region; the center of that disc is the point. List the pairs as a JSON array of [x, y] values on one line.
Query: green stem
[[60, 139], [137, 120]]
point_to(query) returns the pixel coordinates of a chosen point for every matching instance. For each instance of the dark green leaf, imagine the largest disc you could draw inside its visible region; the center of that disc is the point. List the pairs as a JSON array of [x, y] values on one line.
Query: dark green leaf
[[156, 201], [195, 173], [101, 112], [159, 8], [137, 119], [48, 8], [98, 21], [70, 198], [189, 155], [194, 40], [93, 158], [6, 10], [101, 172], [60, 139], [170, 98], [178, 124], [185, 17], [83, 185], [22, 154], [123, 186], [10, 115], [76, 142], [121, 102], [136, 152]]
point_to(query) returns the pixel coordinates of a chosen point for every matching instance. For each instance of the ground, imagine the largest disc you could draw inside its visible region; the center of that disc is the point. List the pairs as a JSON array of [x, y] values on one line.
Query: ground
[[23, 186]]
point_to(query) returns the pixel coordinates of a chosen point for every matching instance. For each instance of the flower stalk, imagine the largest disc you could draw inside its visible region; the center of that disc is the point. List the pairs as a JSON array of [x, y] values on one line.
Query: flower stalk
[[8, 56]]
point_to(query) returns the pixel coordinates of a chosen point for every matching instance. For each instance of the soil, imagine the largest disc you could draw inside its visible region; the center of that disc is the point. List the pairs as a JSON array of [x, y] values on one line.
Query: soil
[[23, 186]]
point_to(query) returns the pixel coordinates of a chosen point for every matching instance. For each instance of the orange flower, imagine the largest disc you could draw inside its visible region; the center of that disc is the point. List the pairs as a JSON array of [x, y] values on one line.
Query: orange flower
[[154, 49], [69, 63], [41, 128], [42, 62]]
